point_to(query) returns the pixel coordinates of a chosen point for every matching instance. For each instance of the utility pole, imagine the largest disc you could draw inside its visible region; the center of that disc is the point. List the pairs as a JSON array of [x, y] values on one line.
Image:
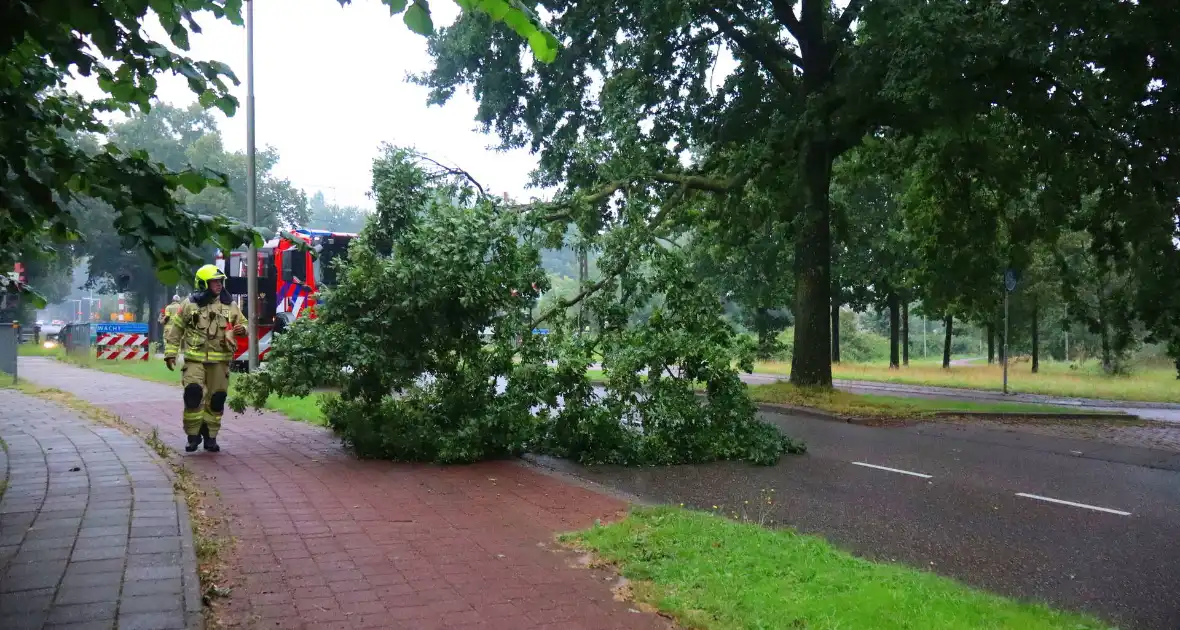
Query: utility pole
[[1067, 346], [251, 193]]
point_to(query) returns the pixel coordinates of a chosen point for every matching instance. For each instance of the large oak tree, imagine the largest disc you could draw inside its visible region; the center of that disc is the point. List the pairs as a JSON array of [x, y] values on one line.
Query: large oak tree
[[629, 103]]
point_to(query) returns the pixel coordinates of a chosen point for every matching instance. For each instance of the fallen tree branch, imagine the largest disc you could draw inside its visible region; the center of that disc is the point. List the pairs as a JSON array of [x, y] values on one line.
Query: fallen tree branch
[[455, 170], [583, 294], [623, 264]]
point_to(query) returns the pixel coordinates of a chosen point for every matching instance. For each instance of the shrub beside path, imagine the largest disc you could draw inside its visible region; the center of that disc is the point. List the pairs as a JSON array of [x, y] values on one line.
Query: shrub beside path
[[324, 540]]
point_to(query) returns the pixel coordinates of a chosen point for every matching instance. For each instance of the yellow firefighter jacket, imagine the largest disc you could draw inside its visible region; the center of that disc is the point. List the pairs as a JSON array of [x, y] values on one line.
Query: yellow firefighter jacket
[[206, 332]]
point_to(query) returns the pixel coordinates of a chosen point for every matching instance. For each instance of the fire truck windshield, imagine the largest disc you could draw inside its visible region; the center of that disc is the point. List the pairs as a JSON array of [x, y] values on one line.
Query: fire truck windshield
[[294, 266], [331, 248]]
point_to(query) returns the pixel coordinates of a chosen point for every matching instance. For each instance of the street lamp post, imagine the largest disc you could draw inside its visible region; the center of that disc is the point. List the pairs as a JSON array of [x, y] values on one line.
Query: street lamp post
[[251, 193]]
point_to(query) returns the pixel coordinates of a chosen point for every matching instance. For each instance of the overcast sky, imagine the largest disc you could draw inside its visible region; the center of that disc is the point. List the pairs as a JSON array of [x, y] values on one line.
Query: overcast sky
[[330, 87]]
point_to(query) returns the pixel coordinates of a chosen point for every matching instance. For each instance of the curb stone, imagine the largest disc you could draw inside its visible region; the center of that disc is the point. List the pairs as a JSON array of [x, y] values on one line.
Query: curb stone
[[190, 580]]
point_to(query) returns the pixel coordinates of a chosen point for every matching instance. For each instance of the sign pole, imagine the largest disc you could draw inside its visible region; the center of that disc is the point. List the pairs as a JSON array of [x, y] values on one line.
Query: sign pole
[[1009, 287], [251, 194], [1004, 349]]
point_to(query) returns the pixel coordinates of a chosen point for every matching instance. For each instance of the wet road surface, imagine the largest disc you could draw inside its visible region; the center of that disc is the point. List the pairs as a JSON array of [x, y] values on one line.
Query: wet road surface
[[1069, 522]]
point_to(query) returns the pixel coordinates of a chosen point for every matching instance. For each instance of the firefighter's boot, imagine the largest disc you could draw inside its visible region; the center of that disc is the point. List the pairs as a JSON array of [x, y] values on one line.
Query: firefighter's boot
[[211, 445], [193, 442]]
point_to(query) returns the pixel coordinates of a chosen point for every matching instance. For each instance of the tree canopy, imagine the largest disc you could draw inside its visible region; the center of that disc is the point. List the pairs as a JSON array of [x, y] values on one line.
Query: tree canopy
[[999, 103]]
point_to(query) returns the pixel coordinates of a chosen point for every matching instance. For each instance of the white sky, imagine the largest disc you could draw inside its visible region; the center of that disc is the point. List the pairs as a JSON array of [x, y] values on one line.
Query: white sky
[[330, 87]]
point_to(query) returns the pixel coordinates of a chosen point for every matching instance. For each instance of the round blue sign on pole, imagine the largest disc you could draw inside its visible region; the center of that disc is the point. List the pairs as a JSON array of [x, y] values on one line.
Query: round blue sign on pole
[[1010, 280]]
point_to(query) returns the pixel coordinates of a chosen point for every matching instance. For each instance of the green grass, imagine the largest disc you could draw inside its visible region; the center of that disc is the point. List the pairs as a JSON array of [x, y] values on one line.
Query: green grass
[[33, 350], [302, 409], [1147, 383], [873, 406], [716, 574]]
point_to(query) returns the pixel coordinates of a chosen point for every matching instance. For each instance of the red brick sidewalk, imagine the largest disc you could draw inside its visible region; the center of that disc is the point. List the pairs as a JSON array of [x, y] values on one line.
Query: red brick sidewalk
[[327, 541]]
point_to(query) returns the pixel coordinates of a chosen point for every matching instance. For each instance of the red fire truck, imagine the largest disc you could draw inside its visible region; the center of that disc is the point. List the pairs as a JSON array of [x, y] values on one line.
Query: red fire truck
[[289, 279]]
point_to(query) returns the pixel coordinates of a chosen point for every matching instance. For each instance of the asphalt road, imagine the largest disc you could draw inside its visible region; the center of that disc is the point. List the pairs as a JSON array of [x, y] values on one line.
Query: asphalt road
[[982, 506]]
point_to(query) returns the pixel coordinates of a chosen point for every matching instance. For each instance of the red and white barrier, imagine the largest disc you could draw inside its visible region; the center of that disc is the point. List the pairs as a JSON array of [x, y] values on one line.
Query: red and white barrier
[[243, 352], [122, 346]]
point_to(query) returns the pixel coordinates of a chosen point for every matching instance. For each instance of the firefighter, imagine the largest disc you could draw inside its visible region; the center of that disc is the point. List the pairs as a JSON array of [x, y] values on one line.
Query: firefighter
[[207, 323], [167, 313]]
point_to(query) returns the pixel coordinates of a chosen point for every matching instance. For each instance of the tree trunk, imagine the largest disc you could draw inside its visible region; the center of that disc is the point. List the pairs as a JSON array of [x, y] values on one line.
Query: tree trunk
[[1107, 361], [835, 328], [991, 343], [153, 318], [1036, 351], [894, 330], [946, 344], [905, 333], [811, 361]]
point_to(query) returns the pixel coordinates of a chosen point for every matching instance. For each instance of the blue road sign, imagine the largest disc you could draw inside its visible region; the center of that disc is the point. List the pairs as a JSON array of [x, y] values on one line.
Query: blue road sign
[[123, 328], [540, 331], [1010, 280]]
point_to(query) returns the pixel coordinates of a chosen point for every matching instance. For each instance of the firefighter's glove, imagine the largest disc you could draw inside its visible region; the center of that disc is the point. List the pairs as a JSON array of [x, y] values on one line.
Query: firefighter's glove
[[240, 330], [171, 363]]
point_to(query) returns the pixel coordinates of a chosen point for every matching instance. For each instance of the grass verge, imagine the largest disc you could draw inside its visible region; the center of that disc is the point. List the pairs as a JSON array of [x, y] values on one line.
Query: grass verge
[[210, 530], [874, 406], [35, 350], [1146, 384], [302, 409], [711, 573]]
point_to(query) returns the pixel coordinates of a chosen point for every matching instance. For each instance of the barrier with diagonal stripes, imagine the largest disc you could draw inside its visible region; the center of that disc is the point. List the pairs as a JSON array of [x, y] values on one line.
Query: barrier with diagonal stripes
[[122, 346]]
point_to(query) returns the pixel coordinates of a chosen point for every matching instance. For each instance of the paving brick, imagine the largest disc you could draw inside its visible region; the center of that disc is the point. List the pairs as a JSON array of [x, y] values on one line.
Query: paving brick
[[103, 531], [160, 602], [88, 594], [82, 580], [106, 624], [151, 573], [101, 542], [48, 543], [77, 613], [173, 620], [94, 566], [23, 621], [170, 586], [26, 601], [99, 553], [26, 555]]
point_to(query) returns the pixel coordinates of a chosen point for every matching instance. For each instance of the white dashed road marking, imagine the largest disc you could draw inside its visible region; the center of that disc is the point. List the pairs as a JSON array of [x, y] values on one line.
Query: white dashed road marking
[[896, 470], [1072, 504]]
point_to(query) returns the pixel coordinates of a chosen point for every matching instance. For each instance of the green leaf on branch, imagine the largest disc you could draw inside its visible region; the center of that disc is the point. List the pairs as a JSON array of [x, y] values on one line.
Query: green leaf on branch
[[396, 6], [417, 18], [497, 9], [192, 181], [168, 275]]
